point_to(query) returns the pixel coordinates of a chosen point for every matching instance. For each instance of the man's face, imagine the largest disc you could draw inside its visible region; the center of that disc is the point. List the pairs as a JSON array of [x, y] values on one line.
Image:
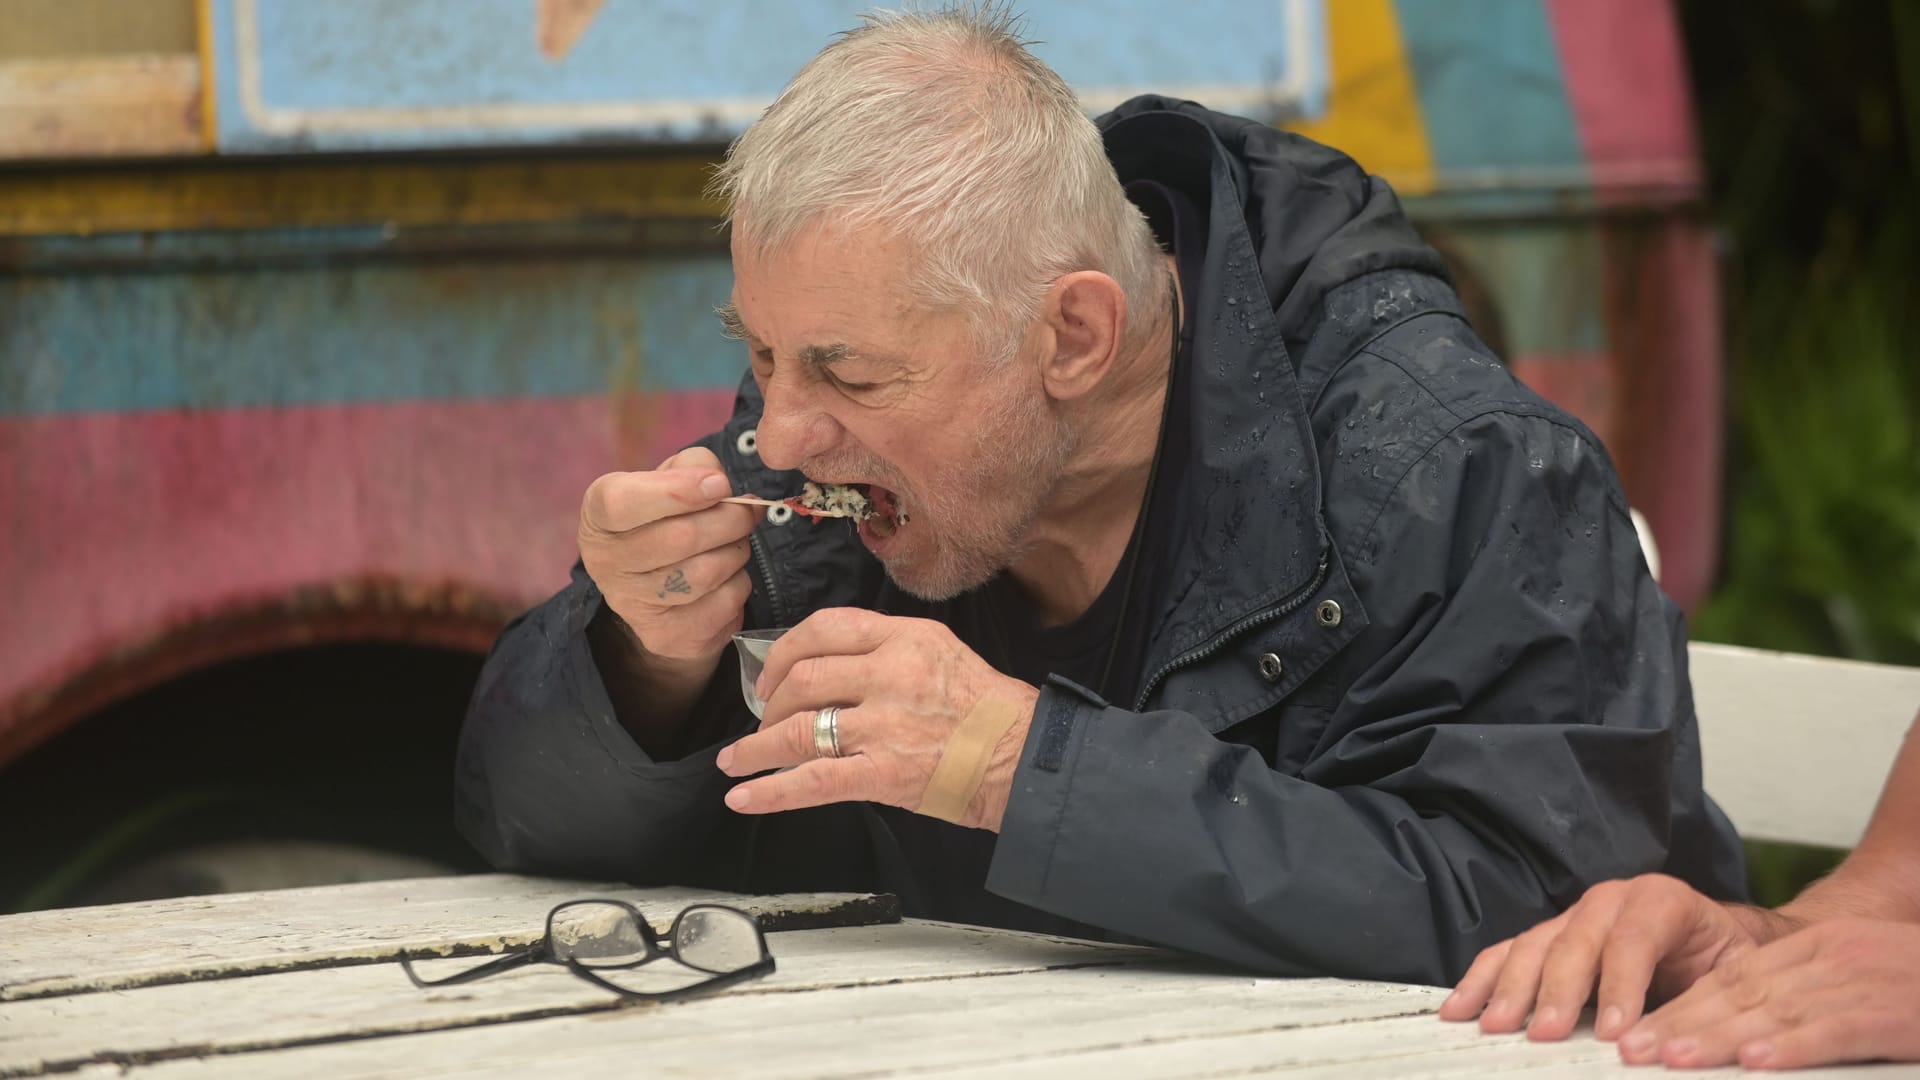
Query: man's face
[[863, 386]]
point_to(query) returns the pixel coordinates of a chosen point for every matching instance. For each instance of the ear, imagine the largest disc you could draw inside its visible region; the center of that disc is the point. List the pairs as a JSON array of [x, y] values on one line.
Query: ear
[[1084, 316]]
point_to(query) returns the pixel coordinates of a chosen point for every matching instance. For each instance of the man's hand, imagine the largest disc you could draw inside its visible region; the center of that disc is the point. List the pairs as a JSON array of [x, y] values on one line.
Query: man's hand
[[902, 687], [1838, 991], [670, 559], [1651, 933]]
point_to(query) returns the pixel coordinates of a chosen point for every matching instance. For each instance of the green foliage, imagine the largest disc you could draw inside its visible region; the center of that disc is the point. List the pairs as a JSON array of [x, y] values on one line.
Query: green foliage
[[1823, 551], [1777, 872], [1810, 122], [1810, 118]]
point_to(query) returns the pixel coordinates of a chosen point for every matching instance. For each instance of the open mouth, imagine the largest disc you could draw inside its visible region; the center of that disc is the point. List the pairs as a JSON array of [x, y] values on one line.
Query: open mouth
[[887, 515]]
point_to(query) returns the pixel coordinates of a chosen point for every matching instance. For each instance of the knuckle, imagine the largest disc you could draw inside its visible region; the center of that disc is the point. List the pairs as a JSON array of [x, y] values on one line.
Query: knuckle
[[1747, 994], [1539, 939], [805, 675], [679, 536], [735, 590], [799, 734], [596, 495], [1571, 948]]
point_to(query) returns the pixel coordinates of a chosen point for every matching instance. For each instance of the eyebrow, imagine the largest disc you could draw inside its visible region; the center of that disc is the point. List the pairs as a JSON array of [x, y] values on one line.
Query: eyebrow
[[815, 356]]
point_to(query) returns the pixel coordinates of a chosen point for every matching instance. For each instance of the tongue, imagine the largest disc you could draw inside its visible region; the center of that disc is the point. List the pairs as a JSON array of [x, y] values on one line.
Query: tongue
[[885, 519]]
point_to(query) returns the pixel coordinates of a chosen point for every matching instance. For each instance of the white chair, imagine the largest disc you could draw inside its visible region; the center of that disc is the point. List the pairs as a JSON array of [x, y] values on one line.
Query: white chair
[[1796, 748]]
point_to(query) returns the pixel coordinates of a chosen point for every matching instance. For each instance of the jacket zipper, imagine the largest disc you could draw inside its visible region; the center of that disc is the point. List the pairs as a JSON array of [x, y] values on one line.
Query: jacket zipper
[[765, 563], [1219, 641]]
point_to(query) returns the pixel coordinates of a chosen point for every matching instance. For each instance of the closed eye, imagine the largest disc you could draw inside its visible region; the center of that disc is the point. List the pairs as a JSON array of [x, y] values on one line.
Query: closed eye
[[848, 384]]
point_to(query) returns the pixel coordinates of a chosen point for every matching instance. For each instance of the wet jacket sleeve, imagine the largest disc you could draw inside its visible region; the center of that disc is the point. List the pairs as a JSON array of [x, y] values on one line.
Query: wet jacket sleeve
[[1517, 727], [548, 781]]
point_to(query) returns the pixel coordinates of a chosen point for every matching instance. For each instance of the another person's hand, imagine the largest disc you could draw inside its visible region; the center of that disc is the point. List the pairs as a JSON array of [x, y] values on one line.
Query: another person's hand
[[1847, 990], [670, 559], [902, 687], [1651, 934]]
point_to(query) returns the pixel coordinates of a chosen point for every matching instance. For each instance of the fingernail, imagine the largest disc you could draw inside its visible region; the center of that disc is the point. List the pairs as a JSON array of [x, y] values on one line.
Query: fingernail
[[1609, 1021], [725, 759], [1756, 1053], [1681, 1049], [738, 798], [1497, 1005], [1638, 1042], [1545, 1017], [715, 486]]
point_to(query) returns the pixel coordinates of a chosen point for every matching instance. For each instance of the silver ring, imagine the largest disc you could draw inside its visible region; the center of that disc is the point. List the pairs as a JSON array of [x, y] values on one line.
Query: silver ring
[[826, 731]]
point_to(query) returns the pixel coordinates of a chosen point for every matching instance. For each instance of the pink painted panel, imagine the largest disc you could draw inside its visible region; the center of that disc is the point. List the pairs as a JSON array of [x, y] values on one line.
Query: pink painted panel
[[1626, 78], [1584, 384], [120, 529], [1665, 313]]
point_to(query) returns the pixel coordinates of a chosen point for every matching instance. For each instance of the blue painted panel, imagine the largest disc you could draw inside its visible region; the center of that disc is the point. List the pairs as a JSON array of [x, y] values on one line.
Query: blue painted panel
[[1491, 90], [382, 74], [362, 333], [1548, 278]]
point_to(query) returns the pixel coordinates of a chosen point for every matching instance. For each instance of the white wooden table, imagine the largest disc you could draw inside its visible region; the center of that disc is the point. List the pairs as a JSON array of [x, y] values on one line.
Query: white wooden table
[[302, 983]]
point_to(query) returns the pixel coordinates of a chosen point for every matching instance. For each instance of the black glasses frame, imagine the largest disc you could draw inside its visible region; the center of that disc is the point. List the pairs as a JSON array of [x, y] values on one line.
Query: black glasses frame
[[542, 952]]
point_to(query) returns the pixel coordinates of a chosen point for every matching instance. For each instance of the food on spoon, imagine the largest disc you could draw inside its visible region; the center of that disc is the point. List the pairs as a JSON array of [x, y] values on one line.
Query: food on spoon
[[819, 501], [832, 500]]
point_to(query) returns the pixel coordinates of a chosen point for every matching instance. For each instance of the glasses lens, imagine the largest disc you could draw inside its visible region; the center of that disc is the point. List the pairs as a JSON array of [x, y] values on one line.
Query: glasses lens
[[597, 935], [718, 940]]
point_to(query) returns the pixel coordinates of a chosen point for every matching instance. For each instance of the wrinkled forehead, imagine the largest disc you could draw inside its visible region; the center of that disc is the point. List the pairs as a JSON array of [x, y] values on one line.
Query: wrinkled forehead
[[827, 241], [832, 279]]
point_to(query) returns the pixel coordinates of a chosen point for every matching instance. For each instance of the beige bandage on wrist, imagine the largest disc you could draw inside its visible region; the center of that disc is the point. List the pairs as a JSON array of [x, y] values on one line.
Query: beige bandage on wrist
[[963, 764]]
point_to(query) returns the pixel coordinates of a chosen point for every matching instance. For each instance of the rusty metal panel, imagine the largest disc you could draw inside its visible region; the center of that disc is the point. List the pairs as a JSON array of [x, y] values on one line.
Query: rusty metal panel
[[200, 463]]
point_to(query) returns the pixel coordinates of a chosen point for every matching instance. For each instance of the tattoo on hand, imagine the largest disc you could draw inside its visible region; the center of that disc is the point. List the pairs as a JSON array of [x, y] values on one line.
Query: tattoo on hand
[[676, 583]]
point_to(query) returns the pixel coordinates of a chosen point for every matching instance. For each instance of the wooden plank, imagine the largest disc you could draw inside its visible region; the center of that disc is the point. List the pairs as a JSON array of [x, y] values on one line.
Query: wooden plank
[[1390, 1048], [158, 1023], [1796, 748], [1133, 1020], [77, 950], [79, 107], [881, 1028]]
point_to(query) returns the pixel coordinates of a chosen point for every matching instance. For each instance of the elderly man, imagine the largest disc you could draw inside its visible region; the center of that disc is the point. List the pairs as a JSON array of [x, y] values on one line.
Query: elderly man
[[1226, 593]]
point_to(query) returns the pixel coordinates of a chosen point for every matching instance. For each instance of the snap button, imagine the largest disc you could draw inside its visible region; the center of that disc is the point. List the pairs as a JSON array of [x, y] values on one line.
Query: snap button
[[1271, 667], [779, 515], [749, 442], [1328, 613]]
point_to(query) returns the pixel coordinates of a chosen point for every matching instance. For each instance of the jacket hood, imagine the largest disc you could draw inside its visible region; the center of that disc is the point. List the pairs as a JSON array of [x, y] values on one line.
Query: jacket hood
[[1315, 219]]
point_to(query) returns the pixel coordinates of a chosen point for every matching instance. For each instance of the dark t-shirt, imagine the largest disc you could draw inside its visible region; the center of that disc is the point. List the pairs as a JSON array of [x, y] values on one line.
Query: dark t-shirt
[[1086, 650], [945, 876]]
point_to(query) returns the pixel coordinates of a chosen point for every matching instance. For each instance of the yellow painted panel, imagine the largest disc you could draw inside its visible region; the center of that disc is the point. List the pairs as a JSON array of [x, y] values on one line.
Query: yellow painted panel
[[1373, 108], [43, 29]]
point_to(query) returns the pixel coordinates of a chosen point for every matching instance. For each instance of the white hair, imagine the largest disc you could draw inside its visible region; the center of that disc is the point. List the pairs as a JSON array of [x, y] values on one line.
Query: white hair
[[942, 128]]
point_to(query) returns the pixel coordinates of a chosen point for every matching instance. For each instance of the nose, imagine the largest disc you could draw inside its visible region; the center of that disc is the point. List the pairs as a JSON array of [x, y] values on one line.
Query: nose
[[792, 429]]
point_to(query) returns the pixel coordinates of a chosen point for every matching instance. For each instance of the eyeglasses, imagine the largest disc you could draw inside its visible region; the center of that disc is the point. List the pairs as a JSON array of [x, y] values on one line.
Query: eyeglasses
[[593, 937]]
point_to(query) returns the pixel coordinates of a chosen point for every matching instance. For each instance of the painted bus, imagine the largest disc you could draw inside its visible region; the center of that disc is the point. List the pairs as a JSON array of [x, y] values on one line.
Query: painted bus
[[317, 319]]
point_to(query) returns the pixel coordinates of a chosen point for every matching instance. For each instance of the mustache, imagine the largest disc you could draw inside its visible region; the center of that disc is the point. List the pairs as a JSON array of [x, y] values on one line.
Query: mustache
[[871, 470]]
